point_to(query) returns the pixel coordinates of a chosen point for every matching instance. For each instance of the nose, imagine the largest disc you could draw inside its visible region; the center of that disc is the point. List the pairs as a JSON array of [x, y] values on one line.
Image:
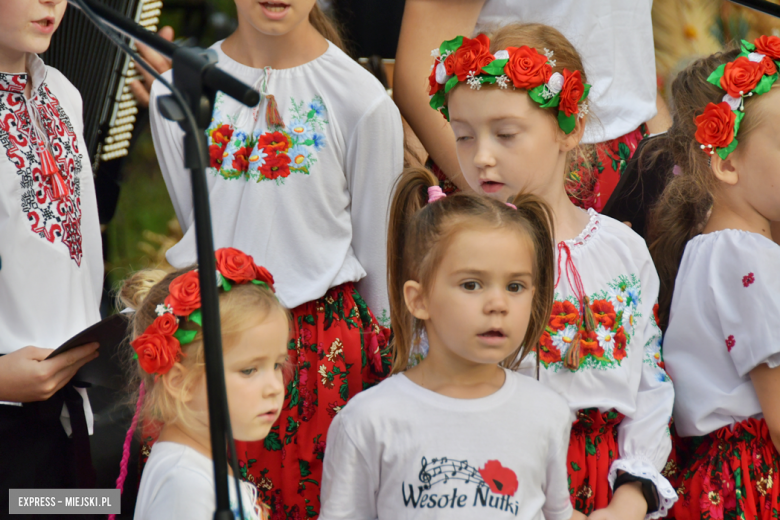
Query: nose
[[484, 157], [496, 301], [273, 386], [52, 3]]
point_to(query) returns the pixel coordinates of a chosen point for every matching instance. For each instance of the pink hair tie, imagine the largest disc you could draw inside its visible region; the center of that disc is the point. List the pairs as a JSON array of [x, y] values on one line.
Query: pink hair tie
[[511, 205], [435, 193]]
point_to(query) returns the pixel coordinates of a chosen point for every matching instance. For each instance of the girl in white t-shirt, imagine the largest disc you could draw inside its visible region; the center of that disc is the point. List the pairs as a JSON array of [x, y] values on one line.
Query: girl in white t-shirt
[[517, 102], [302, 183], [719, 269], [458, 435], [178, 479]]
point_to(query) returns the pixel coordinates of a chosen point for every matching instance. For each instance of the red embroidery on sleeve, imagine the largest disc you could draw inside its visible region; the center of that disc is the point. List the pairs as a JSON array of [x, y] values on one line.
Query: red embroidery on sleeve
[[730, 342], [747, 280]]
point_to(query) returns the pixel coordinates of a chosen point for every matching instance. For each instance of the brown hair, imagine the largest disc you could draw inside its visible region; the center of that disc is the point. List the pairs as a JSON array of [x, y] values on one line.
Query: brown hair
[[244, 306], [326, 26], [682, 211], [420, 233], [542, 37]]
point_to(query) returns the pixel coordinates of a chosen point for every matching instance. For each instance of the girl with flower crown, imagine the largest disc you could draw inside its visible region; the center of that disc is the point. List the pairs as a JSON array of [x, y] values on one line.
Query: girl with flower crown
[[167, 346], [302, 183], [719, 285], [517, 102]]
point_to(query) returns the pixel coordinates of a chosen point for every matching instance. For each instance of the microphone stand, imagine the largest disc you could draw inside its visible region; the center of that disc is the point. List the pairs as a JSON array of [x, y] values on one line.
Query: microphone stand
[[197, 79], [761, 6]]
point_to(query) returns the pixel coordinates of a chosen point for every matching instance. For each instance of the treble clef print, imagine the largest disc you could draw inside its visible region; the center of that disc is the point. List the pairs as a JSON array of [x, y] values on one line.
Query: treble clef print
[[425, 477]]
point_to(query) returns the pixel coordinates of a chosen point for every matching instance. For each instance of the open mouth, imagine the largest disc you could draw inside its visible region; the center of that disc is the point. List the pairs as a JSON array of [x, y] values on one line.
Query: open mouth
[[490, 186], [493, 333], [275, 7], [46, 24], [271, 414]]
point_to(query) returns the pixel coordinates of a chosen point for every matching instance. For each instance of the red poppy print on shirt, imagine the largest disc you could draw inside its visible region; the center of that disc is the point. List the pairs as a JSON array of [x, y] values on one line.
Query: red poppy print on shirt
[[730, 342], [500, 480], [748, 279]]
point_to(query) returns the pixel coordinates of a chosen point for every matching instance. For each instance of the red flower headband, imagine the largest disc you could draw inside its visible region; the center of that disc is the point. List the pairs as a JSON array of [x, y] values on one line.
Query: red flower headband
[[159, 347], [754, 71], [470, 60]]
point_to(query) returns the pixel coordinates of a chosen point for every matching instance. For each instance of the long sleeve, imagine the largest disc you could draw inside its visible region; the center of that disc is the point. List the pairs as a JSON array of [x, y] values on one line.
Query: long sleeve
[[643, 439], [374, 162], [168, 144], [557, 505], [349, 484]]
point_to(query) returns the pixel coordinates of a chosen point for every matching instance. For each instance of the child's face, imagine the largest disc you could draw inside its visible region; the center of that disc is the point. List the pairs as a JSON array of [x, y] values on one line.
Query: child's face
[[479, 306], [506, 144], [26, 26], [275, 17], [253, 378]]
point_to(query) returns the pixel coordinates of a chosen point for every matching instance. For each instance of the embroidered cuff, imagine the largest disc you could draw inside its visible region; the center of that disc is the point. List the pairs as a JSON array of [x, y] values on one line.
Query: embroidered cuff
[[643, 468]]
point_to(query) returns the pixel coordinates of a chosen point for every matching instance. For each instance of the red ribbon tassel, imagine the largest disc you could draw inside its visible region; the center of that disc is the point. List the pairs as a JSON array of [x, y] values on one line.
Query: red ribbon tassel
[[572, 355], [59, 189], [272, 116]]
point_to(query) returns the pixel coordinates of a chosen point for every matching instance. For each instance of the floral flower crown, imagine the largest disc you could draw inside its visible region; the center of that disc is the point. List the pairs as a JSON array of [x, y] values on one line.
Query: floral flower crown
[[159, 347], [470, 60], [753, 72]]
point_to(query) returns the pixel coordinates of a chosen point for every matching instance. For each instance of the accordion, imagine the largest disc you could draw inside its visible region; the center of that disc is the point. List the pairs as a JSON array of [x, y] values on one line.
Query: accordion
[[101, 72]]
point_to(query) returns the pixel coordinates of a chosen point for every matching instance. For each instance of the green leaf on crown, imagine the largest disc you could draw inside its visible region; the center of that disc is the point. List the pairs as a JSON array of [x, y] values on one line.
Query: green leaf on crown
[[451, 45], [747, 48], [716, 75], [185, 336], [585, 92], [437, 100], [536, 95], [724, 152], [738, 122], [488, 79], [495, 67], [226, 284], [445, 112], [197, 317], [567, 124], [450, 84], [764, 84]]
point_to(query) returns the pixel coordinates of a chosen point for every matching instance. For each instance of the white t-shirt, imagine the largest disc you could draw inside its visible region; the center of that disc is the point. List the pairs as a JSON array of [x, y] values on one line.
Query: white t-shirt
[[323, 224], [178, 483], [51, 257], [621, 365], [400, 451], [614, 39], [722, 326]]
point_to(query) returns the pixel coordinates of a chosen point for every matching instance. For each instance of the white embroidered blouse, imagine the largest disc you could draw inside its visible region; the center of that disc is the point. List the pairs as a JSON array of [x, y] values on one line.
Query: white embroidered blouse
[[721, 326], [621, 367], [308, 200], [51, 259]]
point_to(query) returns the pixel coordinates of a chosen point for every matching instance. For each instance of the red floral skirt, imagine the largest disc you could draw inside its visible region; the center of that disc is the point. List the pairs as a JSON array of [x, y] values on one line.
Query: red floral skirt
[[338, 350], [593, 178], [592, 449], [729, 474]]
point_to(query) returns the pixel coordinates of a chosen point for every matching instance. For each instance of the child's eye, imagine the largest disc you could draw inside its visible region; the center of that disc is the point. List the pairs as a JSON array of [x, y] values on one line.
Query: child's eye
[[514, 287], [470, 286], [278, 366], [248, 371], [462, 138], [506, 136]]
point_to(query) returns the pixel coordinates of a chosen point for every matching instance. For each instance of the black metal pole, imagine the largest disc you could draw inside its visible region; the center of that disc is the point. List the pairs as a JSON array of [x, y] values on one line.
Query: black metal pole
[[761, 5], [196, 79]]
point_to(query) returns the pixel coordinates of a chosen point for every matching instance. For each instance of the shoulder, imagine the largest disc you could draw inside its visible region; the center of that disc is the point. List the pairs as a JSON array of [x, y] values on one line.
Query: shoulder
[[377, 401], [620, 241], [64, 90], [541, 398], [733, 252]]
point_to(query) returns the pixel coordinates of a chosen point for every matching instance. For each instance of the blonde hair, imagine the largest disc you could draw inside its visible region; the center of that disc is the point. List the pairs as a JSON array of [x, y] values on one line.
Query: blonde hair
[[420, 233], [241, 308]]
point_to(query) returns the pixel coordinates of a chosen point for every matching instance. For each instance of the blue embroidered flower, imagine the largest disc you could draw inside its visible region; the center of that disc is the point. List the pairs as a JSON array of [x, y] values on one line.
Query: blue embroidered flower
[[318, 107], [318, 141], [300, 130], [299, 157]]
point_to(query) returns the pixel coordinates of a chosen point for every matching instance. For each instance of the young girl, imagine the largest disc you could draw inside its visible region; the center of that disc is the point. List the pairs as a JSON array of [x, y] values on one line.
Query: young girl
[[178, 480], [302, 183], [517, 103], [457, 436], [51, 261], [715, 253]]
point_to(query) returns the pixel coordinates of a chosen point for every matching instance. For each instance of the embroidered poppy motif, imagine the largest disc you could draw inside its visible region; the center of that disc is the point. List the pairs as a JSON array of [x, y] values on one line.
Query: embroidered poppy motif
[[747, 280], [730, 342], [500, 480], [48, 172]]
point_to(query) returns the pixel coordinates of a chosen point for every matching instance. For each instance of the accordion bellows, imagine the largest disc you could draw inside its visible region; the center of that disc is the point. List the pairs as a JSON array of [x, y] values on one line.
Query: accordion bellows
[[101, 72]]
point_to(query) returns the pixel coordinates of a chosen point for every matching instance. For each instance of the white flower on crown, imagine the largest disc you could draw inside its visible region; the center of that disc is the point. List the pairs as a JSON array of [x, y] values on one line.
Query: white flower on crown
[[503, 54], [584, 109], [474, 81], [163, 309], [435, 53], [549, 54], [441, 74], [734, 103], [503, 81], [219, 278], [555, 83], [756, 57]]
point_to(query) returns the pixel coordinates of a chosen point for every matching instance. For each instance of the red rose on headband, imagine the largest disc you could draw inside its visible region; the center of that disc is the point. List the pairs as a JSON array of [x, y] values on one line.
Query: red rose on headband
[[741, 76], [769, 46], [768, 66], [165, 324], [235, 265], [434, 85], [157, 353], [716, 125], [471, 56], [262, 275], [184, 294], [526, 67], [572, 92]]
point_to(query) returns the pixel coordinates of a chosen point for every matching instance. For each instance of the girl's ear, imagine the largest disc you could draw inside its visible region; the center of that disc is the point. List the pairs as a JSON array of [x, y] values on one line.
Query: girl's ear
[[173, 382], [725, 169], [570, 141], [415, 300]]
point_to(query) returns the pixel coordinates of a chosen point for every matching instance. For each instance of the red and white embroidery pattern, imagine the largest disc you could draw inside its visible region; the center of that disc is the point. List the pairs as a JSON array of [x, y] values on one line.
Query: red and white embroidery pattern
[[748, 279], [50, 199]]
